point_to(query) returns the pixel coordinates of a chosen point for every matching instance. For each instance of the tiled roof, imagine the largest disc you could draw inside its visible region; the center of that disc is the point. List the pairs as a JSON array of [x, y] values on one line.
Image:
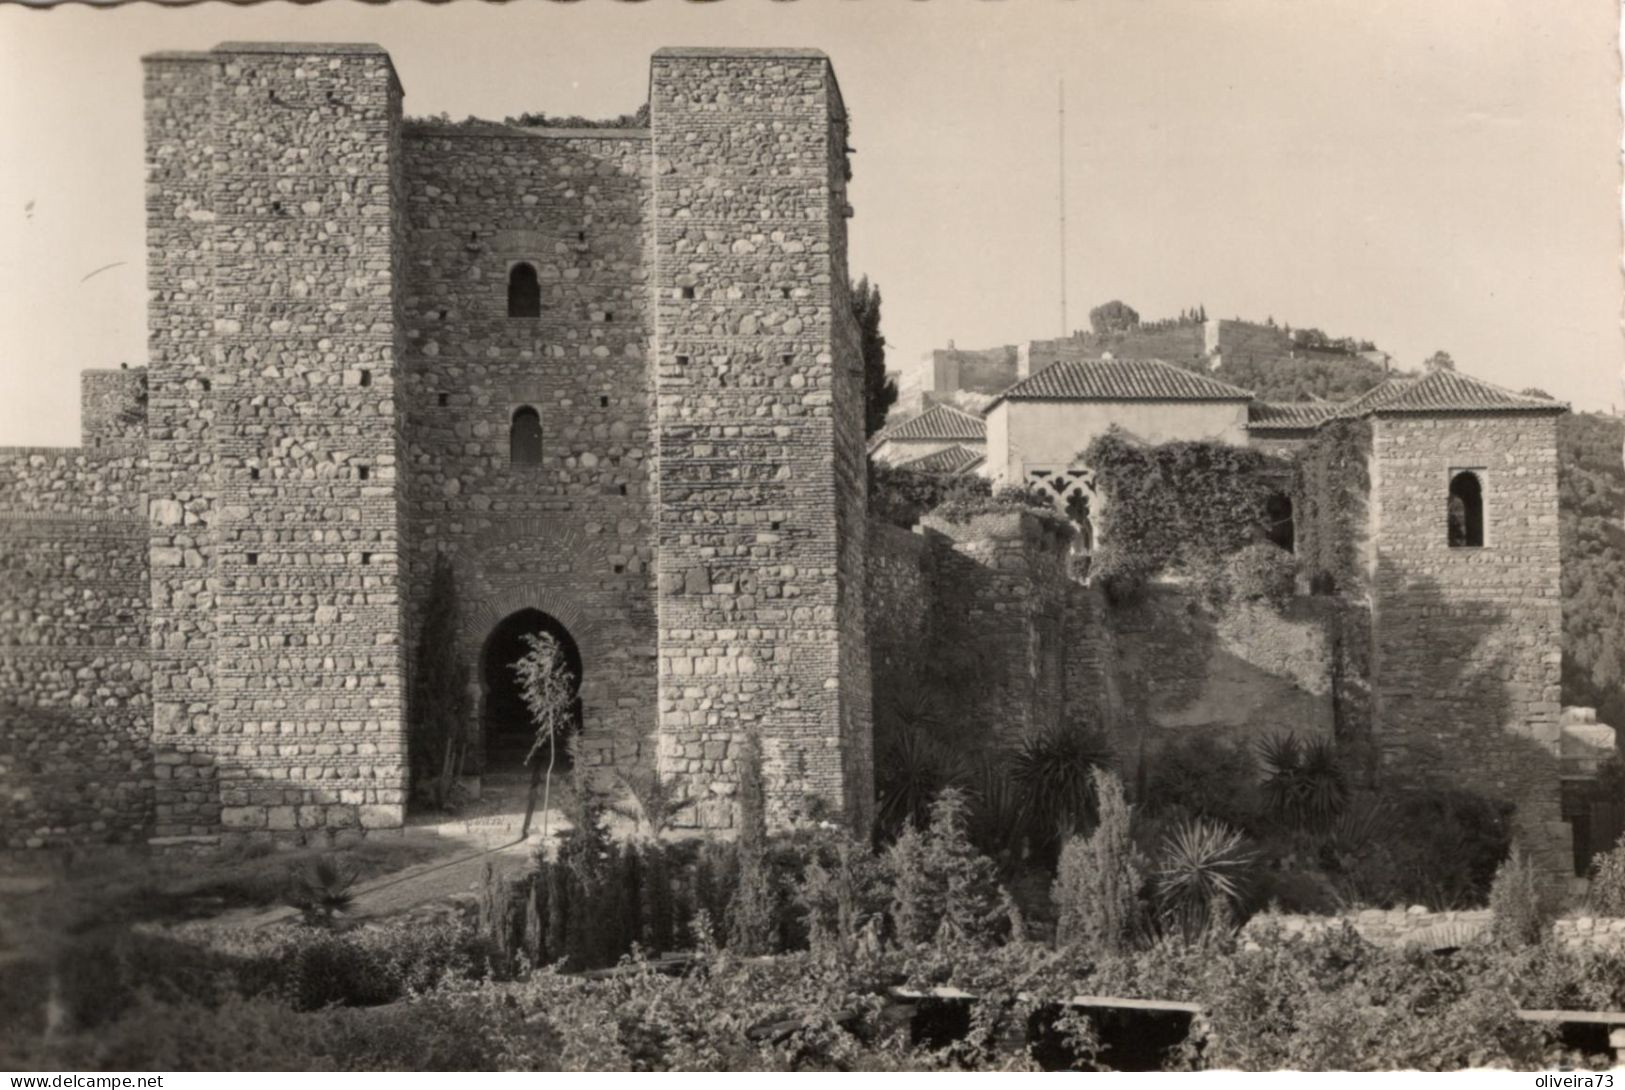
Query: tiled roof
[[940, 422], [953, 460], [1452, 391], [1121, 380], [1289, 415], [1444, 392]]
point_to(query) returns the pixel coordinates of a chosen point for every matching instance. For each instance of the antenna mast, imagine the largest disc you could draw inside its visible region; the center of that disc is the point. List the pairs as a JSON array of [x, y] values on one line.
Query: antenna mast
[[1066, 329]]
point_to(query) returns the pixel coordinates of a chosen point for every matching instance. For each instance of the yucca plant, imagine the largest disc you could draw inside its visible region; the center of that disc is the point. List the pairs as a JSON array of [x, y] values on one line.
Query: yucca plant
[[998, 810], [1304, 785], [321, 889], [1054, 771], [911, 769], [1201, 877]]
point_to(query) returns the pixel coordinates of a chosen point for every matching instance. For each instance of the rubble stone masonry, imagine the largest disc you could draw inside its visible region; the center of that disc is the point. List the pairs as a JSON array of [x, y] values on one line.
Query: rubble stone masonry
[[1466, 655]]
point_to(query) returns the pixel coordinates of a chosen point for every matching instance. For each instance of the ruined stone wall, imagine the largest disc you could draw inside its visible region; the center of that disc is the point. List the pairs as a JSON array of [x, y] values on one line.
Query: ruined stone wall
[[1466, 641], [274, 171], [1001, 594], [754, 534], [1242, 674], [572, 535], [1398, 927]]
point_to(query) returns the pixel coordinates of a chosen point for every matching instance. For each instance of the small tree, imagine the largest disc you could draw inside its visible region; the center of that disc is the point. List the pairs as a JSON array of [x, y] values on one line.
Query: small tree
[[439, 737], [1520, 912], [549, 690], [1097, 886], [1439, 361], [1113, 317], [753, 911], [879, 391]]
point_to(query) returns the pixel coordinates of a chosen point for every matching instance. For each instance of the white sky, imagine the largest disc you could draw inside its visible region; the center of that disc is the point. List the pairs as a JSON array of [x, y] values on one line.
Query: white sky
[[1425, 175]]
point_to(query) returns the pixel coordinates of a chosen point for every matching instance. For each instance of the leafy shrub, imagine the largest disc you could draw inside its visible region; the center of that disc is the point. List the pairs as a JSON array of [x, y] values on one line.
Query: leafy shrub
[[1304, 786], [1201, 775], [1262, 572], [1441, 847], [1520, 911], [1608, 881], [902, 496], [1201, 878], [1100, 878], [942, 888]]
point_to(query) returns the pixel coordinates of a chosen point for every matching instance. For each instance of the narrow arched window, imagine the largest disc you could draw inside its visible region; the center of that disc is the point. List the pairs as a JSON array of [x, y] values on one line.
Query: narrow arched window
[[1278, 527], [1466, 528], [524, 291], [525, 437]]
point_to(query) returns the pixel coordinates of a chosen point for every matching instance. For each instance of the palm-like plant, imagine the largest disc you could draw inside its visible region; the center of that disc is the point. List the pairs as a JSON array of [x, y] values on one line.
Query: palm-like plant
[[1304, 784], [1054, 771], [1201, 876], [912, 769], [321, 889]]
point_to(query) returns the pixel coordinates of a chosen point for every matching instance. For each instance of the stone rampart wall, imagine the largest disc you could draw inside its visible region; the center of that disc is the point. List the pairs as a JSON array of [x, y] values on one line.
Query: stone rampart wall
[[75, 755], [1416, 925]]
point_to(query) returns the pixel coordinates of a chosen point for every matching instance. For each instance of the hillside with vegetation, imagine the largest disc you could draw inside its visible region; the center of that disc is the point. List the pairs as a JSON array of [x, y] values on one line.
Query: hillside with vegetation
[[1591, 500]]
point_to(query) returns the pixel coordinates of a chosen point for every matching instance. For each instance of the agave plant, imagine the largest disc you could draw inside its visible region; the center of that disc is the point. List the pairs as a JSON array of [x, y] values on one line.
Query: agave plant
[[321, 889], [1201, 876], [1054, 770], [1304, 785]]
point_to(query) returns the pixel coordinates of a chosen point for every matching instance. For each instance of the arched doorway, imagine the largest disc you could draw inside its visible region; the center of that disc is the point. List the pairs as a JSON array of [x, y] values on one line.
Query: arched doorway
[[508, 729]]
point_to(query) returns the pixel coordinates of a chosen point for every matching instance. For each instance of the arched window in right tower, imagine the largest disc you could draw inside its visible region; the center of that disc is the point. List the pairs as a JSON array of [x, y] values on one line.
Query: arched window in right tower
[[524, 292], [525, 437], [1466, 511]]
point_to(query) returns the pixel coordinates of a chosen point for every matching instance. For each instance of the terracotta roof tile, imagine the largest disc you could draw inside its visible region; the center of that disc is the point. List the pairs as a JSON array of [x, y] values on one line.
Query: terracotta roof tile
[[951, 460], [1289, 415], [1121, 380], [939, 422]]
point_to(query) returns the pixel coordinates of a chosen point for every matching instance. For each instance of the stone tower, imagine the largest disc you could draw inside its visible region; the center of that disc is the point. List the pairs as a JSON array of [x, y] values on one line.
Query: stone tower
[[761, 477], [1466, 608], [274, 437]]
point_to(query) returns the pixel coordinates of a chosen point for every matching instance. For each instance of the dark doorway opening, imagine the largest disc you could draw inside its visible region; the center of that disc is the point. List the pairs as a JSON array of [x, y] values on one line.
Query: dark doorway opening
[[509, 730], [1278, 525]]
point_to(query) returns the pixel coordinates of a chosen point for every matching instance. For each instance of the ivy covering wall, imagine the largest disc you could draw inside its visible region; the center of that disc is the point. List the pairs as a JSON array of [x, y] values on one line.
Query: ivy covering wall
[[1329, 495], [1177, 506]]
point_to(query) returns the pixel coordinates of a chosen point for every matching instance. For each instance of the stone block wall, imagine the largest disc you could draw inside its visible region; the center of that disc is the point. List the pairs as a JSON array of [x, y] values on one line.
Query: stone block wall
[[572, 535], [759, 434], [1002, 606], [75, 719], [274, 171], [1465, 641]]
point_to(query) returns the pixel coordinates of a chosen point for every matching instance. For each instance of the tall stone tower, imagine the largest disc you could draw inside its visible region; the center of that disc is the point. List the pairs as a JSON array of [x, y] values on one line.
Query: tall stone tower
[[273, 218], [1466, 595], [760, 479]]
